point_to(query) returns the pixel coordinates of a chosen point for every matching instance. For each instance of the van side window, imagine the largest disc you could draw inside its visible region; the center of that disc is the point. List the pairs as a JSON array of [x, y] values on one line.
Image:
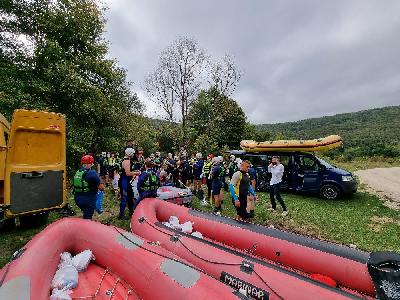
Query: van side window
[[309, 163], [258, 160], [285, 160]]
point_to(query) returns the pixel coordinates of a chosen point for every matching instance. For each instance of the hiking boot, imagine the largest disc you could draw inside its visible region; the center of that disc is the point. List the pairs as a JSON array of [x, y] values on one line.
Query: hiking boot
[[271, 209], [285, 213]]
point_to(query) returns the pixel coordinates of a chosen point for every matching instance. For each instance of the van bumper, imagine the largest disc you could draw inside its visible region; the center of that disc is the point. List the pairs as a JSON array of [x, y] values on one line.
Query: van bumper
[[349, 187]]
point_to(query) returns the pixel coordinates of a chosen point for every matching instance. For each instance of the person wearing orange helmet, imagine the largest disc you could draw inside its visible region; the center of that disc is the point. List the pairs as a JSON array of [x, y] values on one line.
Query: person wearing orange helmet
[[86, 184]]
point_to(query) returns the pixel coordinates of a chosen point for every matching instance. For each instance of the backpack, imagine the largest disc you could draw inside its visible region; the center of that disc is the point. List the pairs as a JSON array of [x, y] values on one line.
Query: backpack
[[151, 183]]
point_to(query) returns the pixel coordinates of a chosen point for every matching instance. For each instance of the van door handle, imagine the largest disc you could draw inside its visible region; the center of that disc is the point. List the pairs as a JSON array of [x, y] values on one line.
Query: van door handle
[[32, 175]]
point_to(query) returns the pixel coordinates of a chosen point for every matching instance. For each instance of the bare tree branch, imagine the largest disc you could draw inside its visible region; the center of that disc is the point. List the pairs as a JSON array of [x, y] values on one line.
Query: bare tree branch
[[225, 75], [179, 71]]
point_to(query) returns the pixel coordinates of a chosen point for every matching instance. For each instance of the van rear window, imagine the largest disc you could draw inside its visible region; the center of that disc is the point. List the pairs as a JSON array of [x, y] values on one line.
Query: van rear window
[[37, 148]]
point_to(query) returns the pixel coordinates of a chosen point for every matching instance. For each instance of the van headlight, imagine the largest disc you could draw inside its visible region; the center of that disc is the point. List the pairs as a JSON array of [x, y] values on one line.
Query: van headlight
[[347, 178]]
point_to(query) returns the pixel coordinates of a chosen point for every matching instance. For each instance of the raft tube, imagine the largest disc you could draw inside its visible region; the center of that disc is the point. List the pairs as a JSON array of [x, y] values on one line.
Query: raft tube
[[280, 258], [125, 267], [322, 144], [175, 195]]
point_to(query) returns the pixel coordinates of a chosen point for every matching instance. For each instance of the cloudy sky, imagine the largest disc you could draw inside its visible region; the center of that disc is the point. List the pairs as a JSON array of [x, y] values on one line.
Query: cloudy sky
[[300, 59]]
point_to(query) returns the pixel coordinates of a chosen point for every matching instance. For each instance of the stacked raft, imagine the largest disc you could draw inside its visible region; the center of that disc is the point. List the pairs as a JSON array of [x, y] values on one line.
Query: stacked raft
[[233, 260]]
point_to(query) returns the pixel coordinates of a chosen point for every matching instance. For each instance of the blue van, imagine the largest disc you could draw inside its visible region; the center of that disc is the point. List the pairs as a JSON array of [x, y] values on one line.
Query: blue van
[[304, 173]]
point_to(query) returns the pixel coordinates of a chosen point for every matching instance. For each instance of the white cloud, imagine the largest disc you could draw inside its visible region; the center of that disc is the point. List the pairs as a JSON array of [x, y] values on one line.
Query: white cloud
[[301, 58]]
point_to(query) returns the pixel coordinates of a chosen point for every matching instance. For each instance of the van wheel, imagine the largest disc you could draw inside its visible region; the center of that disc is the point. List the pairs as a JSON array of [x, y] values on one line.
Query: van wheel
[[330, 191], [32, 221]]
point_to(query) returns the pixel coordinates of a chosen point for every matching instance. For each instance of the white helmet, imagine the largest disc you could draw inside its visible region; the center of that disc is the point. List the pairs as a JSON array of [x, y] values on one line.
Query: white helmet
[[170, 156], [199, 155], [238, 162], [232, 157], [217, 160], [129, 152], [104, 154]]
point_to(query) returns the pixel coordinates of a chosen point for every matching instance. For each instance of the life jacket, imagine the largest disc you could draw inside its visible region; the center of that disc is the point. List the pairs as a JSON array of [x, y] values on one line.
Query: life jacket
[[221, 173], [151, 182], [111, 161], [104, 162], [207, 167], [243, 182], [80, 183], [232, 167]]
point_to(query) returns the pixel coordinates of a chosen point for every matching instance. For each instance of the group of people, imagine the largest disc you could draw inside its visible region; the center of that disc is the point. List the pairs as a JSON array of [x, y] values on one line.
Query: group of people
[[134, 178]]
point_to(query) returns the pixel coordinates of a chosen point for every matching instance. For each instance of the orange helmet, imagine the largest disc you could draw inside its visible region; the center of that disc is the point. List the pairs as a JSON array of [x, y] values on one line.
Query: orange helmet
[[210, 155], [87, 159]]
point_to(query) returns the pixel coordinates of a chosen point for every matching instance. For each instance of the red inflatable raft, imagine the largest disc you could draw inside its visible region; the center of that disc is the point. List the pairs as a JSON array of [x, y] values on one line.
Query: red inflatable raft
[[125, 267], [281, 264]]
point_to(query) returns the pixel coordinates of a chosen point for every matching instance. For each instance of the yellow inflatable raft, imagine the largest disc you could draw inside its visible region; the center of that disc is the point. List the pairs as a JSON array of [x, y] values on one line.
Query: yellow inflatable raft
[[322, 144]]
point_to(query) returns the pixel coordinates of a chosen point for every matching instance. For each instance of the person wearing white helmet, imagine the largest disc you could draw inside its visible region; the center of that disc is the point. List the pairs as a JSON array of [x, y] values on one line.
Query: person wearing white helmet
[[218, 175], [197, 172], [126, 192]]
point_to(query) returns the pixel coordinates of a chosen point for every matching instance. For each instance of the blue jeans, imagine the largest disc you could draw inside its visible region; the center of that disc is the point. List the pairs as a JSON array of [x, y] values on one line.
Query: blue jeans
[[274, 192], [87, 203]]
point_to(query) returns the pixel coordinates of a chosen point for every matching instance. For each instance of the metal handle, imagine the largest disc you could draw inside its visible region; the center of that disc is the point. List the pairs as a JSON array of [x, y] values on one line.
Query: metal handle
[[32, 175]]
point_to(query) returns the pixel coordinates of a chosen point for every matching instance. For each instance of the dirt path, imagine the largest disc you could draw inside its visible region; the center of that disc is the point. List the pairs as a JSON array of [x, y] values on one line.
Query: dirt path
[[385, 182]]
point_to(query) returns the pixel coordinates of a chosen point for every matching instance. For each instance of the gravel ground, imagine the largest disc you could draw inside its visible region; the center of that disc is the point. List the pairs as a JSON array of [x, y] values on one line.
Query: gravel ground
[[385, 182]]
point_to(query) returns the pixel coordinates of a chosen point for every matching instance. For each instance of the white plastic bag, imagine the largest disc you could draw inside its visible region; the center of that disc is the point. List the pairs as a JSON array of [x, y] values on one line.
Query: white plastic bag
[[134, 188], [60, 295], [187, 227], [197, 234], [65, 259], [167, 224], [66, 277], [82, 260], [174, 221]]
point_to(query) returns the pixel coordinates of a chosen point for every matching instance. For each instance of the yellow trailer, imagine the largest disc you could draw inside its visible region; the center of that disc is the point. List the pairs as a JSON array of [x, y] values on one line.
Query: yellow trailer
[[32, 166]]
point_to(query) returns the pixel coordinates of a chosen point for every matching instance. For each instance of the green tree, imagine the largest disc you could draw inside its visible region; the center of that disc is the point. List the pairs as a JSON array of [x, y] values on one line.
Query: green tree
[[217, 117], [53, 57]]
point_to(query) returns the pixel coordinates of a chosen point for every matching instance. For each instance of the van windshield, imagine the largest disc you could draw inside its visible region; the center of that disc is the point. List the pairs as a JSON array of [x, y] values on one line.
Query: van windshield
[[324, 163]]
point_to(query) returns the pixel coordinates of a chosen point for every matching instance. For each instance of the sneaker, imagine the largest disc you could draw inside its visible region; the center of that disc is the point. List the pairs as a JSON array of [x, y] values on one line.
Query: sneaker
[[285, 213], [271, 209], [204, 202]]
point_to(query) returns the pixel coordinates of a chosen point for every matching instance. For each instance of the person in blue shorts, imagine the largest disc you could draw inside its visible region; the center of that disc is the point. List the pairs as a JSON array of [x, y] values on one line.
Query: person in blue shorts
[[86, 184], [218, 176]]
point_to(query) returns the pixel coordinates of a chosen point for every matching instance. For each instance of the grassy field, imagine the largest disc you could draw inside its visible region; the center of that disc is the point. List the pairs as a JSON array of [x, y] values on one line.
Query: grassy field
[[367, 163], [361, 220]]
